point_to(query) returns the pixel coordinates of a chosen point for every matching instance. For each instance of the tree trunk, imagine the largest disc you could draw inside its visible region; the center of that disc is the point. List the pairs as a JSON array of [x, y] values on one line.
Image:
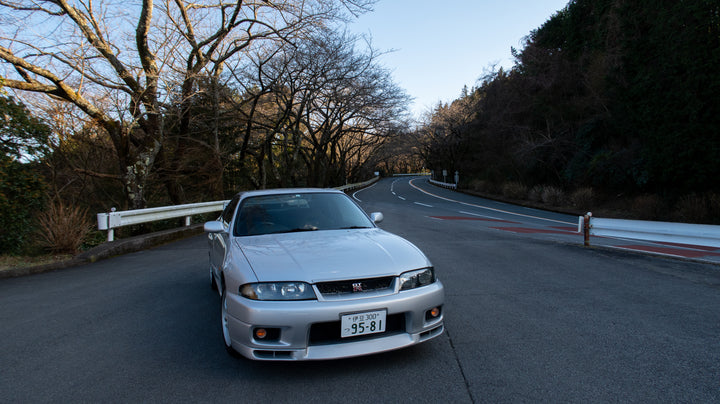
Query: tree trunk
[[136, 175]]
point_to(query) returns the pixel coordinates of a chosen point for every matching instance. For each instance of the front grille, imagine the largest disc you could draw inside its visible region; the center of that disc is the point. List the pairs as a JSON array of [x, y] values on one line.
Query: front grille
[[355, 286], [329, 333]]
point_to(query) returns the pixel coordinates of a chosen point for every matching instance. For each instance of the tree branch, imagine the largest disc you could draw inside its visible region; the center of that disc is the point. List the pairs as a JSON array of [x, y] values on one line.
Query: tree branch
[[60, 89], [99, 44]]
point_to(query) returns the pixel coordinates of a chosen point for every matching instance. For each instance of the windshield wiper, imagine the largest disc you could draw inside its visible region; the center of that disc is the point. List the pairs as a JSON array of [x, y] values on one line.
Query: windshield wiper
[[355, 227], [299, 229]]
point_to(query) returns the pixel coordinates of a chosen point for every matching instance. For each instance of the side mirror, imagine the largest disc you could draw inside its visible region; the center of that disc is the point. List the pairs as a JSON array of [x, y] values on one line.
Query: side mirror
[[214, 227], [377, 217]]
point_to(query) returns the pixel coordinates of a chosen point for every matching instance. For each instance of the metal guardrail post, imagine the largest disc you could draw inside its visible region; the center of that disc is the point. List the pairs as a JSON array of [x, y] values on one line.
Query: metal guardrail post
[[586, 228], [104, 223]]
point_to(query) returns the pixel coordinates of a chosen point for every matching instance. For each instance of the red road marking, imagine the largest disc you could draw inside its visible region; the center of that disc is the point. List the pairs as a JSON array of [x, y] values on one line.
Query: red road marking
[[565, 228], [694, 247], [470, 218]]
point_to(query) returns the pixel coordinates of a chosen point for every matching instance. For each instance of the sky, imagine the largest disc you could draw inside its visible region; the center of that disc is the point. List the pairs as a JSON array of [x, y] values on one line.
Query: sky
[[440, 46]]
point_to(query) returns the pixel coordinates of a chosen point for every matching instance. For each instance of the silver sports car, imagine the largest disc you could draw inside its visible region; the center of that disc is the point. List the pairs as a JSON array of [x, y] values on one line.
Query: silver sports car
[[305, 274]]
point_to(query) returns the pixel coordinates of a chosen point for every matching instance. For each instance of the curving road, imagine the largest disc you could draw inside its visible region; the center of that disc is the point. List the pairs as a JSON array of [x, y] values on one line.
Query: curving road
[[530, 316]]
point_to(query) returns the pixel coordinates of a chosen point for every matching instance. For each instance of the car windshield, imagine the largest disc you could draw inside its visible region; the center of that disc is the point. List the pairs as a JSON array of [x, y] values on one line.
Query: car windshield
[[298, 212]]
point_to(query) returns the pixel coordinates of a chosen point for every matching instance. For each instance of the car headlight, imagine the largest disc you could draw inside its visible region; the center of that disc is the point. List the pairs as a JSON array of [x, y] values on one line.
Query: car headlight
[[415, 279], [278, 291]]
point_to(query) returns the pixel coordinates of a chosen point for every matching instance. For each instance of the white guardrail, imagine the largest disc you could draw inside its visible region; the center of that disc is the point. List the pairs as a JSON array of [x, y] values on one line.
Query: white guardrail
[[667, 232], [443, 184], [114, 219], [420, 174], [352, 187]]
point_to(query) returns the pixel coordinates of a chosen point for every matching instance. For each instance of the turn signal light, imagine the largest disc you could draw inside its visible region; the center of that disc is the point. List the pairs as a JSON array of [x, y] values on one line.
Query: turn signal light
[[433, 313], [266, 334]]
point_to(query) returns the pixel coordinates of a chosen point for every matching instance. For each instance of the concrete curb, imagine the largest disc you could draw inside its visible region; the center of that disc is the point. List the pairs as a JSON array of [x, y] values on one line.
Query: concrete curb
[[110, 249]]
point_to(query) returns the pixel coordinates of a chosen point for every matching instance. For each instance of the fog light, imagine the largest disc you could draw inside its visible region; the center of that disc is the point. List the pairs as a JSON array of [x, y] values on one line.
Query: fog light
[[269, 334], [433, 313]]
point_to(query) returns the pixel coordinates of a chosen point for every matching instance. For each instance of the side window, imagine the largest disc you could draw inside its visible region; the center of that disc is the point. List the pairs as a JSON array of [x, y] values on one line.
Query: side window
[[229, 210]]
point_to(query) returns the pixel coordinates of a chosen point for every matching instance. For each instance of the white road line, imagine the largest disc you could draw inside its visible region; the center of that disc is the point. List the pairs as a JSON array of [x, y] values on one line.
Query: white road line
[[484, 207], [359, 190], [401, 198], [422, 204], [478, 215], [392, 185]]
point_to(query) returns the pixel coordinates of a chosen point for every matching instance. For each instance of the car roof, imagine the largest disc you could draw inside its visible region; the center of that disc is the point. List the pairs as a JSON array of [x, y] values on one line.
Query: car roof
[[285, 191]]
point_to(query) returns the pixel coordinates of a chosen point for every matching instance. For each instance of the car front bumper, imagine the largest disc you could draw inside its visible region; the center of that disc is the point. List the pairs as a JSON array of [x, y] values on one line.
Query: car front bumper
[[310, 330]]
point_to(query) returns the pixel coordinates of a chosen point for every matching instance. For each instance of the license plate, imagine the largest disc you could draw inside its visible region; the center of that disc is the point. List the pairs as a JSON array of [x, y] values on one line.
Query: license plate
[[369, 322]]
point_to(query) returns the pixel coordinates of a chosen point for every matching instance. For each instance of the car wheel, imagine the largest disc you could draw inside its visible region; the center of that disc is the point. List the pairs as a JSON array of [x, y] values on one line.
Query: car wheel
[[213, 283], [224, 323]]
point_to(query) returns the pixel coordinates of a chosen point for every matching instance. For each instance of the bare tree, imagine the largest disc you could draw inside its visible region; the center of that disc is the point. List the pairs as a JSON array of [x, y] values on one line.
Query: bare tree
[[443, 134], [401, 154], [121, 62], [325, 104]]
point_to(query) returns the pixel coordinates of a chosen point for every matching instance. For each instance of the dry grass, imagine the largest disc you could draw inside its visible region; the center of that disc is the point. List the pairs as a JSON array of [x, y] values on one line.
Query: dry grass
[[553, 196], [701, 207], [482, 186], [13, 261], [583, 198], [62, 228], [648, 207], [61, 231], [698, 208], [514, 190], [535, 193]]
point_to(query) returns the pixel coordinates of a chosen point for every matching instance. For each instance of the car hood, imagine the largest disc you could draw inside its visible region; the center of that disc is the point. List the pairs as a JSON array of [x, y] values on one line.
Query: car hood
[[329, 255]]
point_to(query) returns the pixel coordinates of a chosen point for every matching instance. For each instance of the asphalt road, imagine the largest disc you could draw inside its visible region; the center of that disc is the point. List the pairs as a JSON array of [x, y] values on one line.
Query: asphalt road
[[531, 316]]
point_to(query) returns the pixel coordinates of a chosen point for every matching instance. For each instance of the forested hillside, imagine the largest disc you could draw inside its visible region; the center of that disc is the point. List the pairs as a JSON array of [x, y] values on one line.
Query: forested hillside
[[610, 97]]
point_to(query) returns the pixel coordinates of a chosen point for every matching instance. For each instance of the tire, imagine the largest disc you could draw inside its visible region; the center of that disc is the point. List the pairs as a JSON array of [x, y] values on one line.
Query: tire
[[213, 283]]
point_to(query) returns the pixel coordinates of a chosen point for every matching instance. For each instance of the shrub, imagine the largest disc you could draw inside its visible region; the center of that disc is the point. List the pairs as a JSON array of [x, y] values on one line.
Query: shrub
[[476, 185], [21, 194], [583, 198], [535, 193], [648, 207], [553, 196], [699, 208], [482, 186], [514, 190], [714, 206], [62, 229]]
